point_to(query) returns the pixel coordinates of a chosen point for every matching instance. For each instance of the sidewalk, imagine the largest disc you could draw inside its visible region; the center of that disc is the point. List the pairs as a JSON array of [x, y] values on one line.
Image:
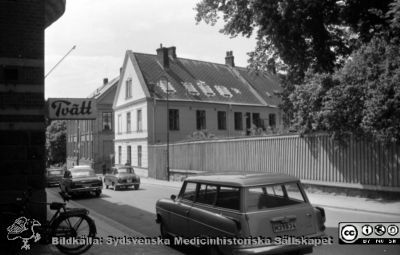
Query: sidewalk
[[389, 207]]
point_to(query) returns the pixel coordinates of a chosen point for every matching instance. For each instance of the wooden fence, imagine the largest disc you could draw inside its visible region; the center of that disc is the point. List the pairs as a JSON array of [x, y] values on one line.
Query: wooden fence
[[317, 159]]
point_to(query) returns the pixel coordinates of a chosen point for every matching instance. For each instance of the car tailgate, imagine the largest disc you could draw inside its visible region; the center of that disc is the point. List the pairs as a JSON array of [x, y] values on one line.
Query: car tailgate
[[293, 220]]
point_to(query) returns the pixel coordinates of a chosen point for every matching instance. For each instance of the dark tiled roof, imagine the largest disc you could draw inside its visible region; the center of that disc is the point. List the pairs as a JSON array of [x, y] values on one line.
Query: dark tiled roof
[[105, 87], [241, 86]]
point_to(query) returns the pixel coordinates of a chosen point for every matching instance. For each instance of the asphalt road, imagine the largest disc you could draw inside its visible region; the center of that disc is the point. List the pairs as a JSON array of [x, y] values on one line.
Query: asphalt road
[[135, 209]]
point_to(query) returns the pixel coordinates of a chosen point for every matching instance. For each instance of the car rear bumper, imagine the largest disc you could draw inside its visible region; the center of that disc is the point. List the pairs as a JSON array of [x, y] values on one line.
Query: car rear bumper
[[286, 246], [127, 184], [273, 249], [86, 189]]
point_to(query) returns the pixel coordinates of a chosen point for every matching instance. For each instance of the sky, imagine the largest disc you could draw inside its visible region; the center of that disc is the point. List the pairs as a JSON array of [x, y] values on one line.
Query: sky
[[103, 30]]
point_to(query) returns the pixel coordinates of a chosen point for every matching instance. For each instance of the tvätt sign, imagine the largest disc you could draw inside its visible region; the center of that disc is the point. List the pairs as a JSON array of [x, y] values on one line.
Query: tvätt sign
[[71, 108]]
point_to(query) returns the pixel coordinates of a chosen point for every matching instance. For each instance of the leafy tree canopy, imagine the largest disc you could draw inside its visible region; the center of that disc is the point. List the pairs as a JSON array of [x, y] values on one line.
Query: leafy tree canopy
[[299, 34], [56, 142]]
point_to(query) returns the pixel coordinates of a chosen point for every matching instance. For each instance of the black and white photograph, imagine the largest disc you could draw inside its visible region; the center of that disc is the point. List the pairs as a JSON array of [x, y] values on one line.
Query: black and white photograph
[[218, 127]]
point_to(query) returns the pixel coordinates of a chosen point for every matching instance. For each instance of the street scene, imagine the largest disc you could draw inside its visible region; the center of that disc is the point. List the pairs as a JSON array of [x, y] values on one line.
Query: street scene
[[127, 214], [200, 127]]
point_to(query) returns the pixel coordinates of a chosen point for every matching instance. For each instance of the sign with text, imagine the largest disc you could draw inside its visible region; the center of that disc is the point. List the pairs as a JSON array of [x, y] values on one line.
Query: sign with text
[[71, 108]]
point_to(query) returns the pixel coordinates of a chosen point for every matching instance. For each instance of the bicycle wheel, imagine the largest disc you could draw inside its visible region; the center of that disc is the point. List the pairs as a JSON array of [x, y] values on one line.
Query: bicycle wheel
[[74, 233]]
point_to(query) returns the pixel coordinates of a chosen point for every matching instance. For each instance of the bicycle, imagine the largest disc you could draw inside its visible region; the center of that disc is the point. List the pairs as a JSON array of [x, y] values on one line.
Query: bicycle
[[71, 230]]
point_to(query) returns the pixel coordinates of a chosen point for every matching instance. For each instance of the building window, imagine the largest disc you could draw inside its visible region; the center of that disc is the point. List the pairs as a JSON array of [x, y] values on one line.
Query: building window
[[139, 155], [128, 122], [257, 120], [139, 127], [173, 119], [200, 119], [128, 155], [119, 154], [107, 120], [119, 124], [272, 120], [238, 121], [221, 120], [128, 88]]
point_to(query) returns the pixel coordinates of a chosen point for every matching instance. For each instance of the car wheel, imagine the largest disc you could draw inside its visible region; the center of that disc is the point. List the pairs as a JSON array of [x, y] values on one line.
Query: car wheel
[[97, 193], [164, 233], [213, 250], [136, 186]]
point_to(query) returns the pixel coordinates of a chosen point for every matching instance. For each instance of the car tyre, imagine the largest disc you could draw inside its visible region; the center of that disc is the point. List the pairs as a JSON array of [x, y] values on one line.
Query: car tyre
[[213, 250], [136, 186], [98, 193], [164, 233]]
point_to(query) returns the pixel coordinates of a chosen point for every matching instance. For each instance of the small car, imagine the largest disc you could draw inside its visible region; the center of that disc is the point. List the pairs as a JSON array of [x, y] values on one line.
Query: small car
[[122, 177], [54, 176], [81, 179], [242, 205]]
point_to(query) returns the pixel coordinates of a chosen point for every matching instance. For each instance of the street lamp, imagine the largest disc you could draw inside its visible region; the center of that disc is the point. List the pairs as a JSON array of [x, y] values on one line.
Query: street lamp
[[164, 80]]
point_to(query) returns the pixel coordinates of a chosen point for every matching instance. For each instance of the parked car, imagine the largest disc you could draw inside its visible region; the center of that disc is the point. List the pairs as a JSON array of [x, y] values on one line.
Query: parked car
[[237, 205], [81, 179], [122, 177], [54, 176]]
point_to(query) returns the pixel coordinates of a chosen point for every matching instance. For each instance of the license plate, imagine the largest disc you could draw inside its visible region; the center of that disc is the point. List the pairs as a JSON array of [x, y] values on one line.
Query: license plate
[[282, 227]]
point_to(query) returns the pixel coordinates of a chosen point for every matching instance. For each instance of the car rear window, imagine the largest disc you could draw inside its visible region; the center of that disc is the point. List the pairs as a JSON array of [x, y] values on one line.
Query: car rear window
[[55, 172], [83, 173], [207, 194], [272, 196], [228, 197], [125, 170]]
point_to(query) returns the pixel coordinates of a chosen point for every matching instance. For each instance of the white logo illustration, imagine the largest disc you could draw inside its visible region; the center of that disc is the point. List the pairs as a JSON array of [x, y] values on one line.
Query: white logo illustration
[[23, 228], [348, 233]]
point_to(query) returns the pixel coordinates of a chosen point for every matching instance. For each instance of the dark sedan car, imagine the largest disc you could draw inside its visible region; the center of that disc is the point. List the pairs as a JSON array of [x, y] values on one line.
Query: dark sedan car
[[54, 176], [81, 179], [122, 177]]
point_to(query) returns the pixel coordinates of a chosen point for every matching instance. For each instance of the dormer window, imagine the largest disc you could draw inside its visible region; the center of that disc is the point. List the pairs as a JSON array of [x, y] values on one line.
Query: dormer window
[[190, 88], [205, 88], [237, 91], [166, 89], [223, 91], [128, 88]]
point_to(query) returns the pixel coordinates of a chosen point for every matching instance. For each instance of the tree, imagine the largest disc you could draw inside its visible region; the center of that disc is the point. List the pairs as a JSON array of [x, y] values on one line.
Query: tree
[[341, 59], [56, 142], [362, 98], [299, 34]]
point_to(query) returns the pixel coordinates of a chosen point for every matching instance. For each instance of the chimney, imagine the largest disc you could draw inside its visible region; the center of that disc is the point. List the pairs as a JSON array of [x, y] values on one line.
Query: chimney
[[172, 52], [229, 59], [162, 55], [105, 81]]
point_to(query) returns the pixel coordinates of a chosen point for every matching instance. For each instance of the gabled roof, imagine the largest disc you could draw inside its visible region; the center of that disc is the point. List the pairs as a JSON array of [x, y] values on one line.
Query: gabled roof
[[194, 80], [101, 91]]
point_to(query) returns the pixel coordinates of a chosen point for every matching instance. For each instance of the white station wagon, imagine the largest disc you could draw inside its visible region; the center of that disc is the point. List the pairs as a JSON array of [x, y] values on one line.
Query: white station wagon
[[242, 206]]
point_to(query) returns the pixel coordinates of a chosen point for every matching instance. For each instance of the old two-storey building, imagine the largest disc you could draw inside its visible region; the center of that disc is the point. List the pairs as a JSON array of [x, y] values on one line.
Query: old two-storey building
[[192, 95], [91, 142]]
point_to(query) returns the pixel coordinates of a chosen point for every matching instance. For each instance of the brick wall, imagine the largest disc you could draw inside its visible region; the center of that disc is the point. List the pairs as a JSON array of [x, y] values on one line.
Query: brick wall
[[22, 120]]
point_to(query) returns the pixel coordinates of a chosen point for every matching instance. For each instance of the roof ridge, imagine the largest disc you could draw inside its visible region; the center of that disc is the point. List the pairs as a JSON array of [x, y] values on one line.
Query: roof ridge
[[98, 89], [204, 61]]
